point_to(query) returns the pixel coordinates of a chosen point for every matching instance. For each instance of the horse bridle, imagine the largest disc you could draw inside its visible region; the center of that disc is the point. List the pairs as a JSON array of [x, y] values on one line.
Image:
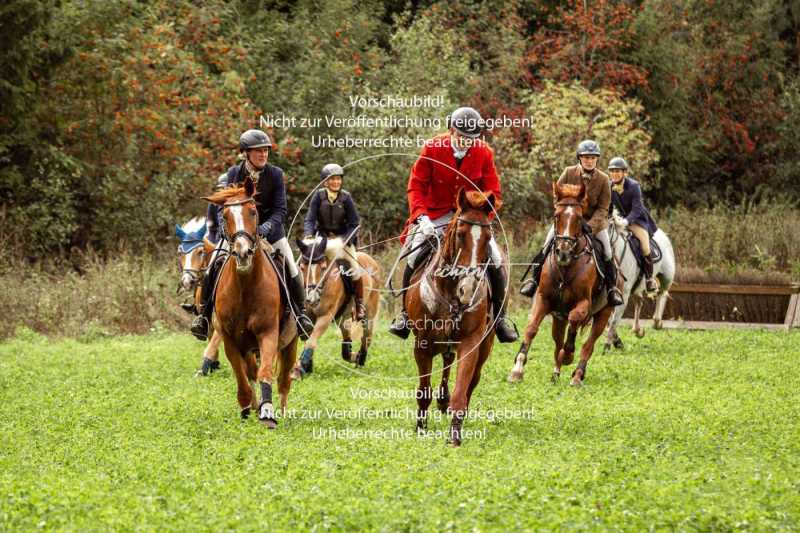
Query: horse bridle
[[241, 233], [573, 241], [196, 274]]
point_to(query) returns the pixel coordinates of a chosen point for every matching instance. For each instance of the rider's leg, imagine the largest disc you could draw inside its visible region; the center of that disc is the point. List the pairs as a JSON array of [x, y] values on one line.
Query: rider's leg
[[644, 239], [610, 269], [503, 328], [297, 291], [356, 273], [529, 287], [199, 327]]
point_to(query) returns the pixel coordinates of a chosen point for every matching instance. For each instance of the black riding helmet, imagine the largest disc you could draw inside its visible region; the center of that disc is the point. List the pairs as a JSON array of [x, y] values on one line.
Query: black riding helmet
[[617, 163], [588, 147], [254, 139], [466, 121]]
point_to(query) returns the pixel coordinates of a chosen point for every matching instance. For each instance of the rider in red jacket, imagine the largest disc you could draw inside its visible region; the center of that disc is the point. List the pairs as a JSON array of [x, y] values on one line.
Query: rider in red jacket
[[449, 162]]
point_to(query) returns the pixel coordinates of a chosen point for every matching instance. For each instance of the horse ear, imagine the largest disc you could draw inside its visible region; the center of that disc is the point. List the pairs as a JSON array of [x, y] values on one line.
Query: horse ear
[[491, 200], [461, 199], [249, 187], [179, 232]]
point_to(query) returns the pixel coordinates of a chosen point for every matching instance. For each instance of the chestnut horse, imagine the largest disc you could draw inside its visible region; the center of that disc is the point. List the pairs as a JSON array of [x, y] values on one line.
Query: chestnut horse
[[450, 313], [248, 308], [570, 289], [328, 301], [194, 253]]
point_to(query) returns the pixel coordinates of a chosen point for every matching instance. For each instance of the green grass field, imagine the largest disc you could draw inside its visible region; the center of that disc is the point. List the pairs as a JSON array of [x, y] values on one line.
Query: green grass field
[[684, 430]]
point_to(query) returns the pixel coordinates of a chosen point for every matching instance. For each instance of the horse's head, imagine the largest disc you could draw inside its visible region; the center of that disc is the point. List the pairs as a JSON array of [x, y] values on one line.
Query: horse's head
[[240, 222], [466, 244], [191, 252], [570, 202], [313, 266]]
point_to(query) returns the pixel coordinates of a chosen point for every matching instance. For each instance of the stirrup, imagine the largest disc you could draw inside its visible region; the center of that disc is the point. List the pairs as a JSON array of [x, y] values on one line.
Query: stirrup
[[504, 332], [615, 297], [528, 288], [400, 327], [200, 327]]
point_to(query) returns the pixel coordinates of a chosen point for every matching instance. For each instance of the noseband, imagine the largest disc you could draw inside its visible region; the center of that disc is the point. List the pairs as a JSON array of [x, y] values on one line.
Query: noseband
[[571, 241]]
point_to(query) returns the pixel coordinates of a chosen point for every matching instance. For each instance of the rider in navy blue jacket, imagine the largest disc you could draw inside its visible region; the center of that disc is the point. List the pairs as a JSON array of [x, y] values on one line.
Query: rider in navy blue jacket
[[270, 200], [626, 198], [213, 213]]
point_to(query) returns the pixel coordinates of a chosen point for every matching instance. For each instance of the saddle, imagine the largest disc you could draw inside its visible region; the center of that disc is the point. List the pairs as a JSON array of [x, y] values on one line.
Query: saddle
[[636, 249]]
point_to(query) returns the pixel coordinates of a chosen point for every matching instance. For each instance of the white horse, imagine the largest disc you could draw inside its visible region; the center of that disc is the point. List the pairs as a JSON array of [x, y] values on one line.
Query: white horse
[[663, 272]]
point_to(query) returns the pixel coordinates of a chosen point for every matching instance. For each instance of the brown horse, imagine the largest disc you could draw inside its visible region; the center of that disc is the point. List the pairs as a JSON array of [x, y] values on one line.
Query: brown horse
[[328, 301], [450, 313], [249, 313], [570, 289]]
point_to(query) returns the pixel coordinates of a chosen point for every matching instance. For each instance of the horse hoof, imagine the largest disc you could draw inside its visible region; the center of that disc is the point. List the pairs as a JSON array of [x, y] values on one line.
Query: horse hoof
[[361, 360], [606, 348], [515, 377], [619, 345], [245, 413], [657, 324], [269, 423], [639, 333], [554, 377], [575, 382]]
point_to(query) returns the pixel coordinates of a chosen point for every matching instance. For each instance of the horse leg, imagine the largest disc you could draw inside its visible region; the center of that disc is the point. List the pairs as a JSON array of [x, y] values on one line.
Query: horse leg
[[268, 346], [661, 303], [576, 317], [468, 355], [612, 337], [483, 354], [559, 327], [539, 310], [305, 365], [366, 337], [637, 310], [443, 395], [424, 392], [210, 361], [244, 393], [347, 341], [251, 367], [598, 325], [287, 359]]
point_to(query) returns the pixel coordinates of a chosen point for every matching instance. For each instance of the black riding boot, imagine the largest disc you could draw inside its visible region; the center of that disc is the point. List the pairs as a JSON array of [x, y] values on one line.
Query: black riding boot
[[200, 323], [503, 327], [649, 282], [399, 326], [614, 295], [297, 291], [529, 287]]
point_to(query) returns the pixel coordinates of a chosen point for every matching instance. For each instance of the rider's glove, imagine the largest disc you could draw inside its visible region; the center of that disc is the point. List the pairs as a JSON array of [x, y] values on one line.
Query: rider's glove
[[265, 228], [426, 226]]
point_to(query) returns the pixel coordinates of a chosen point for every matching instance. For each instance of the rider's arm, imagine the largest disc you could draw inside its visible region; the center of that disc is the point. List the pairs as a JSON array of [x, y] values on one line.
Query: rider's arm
[[212, 223], [351, 214], [419, 184], [598, 220], [310, 223], [490, 181], [277, 204], [637, 206]]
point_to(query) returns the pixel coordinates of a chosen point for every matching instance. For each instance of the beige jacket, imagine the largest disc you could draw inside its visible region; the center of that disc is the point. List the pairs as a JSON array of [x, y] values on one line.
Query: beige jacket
[[598, 193]]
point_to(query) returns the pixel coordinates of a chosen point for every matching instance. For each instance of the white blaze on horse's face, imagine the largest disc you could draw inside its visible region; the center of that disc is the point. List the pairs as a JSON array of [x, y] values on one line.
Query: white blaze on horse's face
[[564, 248], [242, 245], [468, 283], [190, 268]]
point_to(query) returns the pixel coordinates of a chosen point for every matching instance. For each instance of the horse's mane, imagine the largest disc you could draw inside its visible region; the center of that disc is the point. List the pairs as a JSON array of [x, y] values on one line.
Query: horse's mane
[[569, 190], [220, 197]]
